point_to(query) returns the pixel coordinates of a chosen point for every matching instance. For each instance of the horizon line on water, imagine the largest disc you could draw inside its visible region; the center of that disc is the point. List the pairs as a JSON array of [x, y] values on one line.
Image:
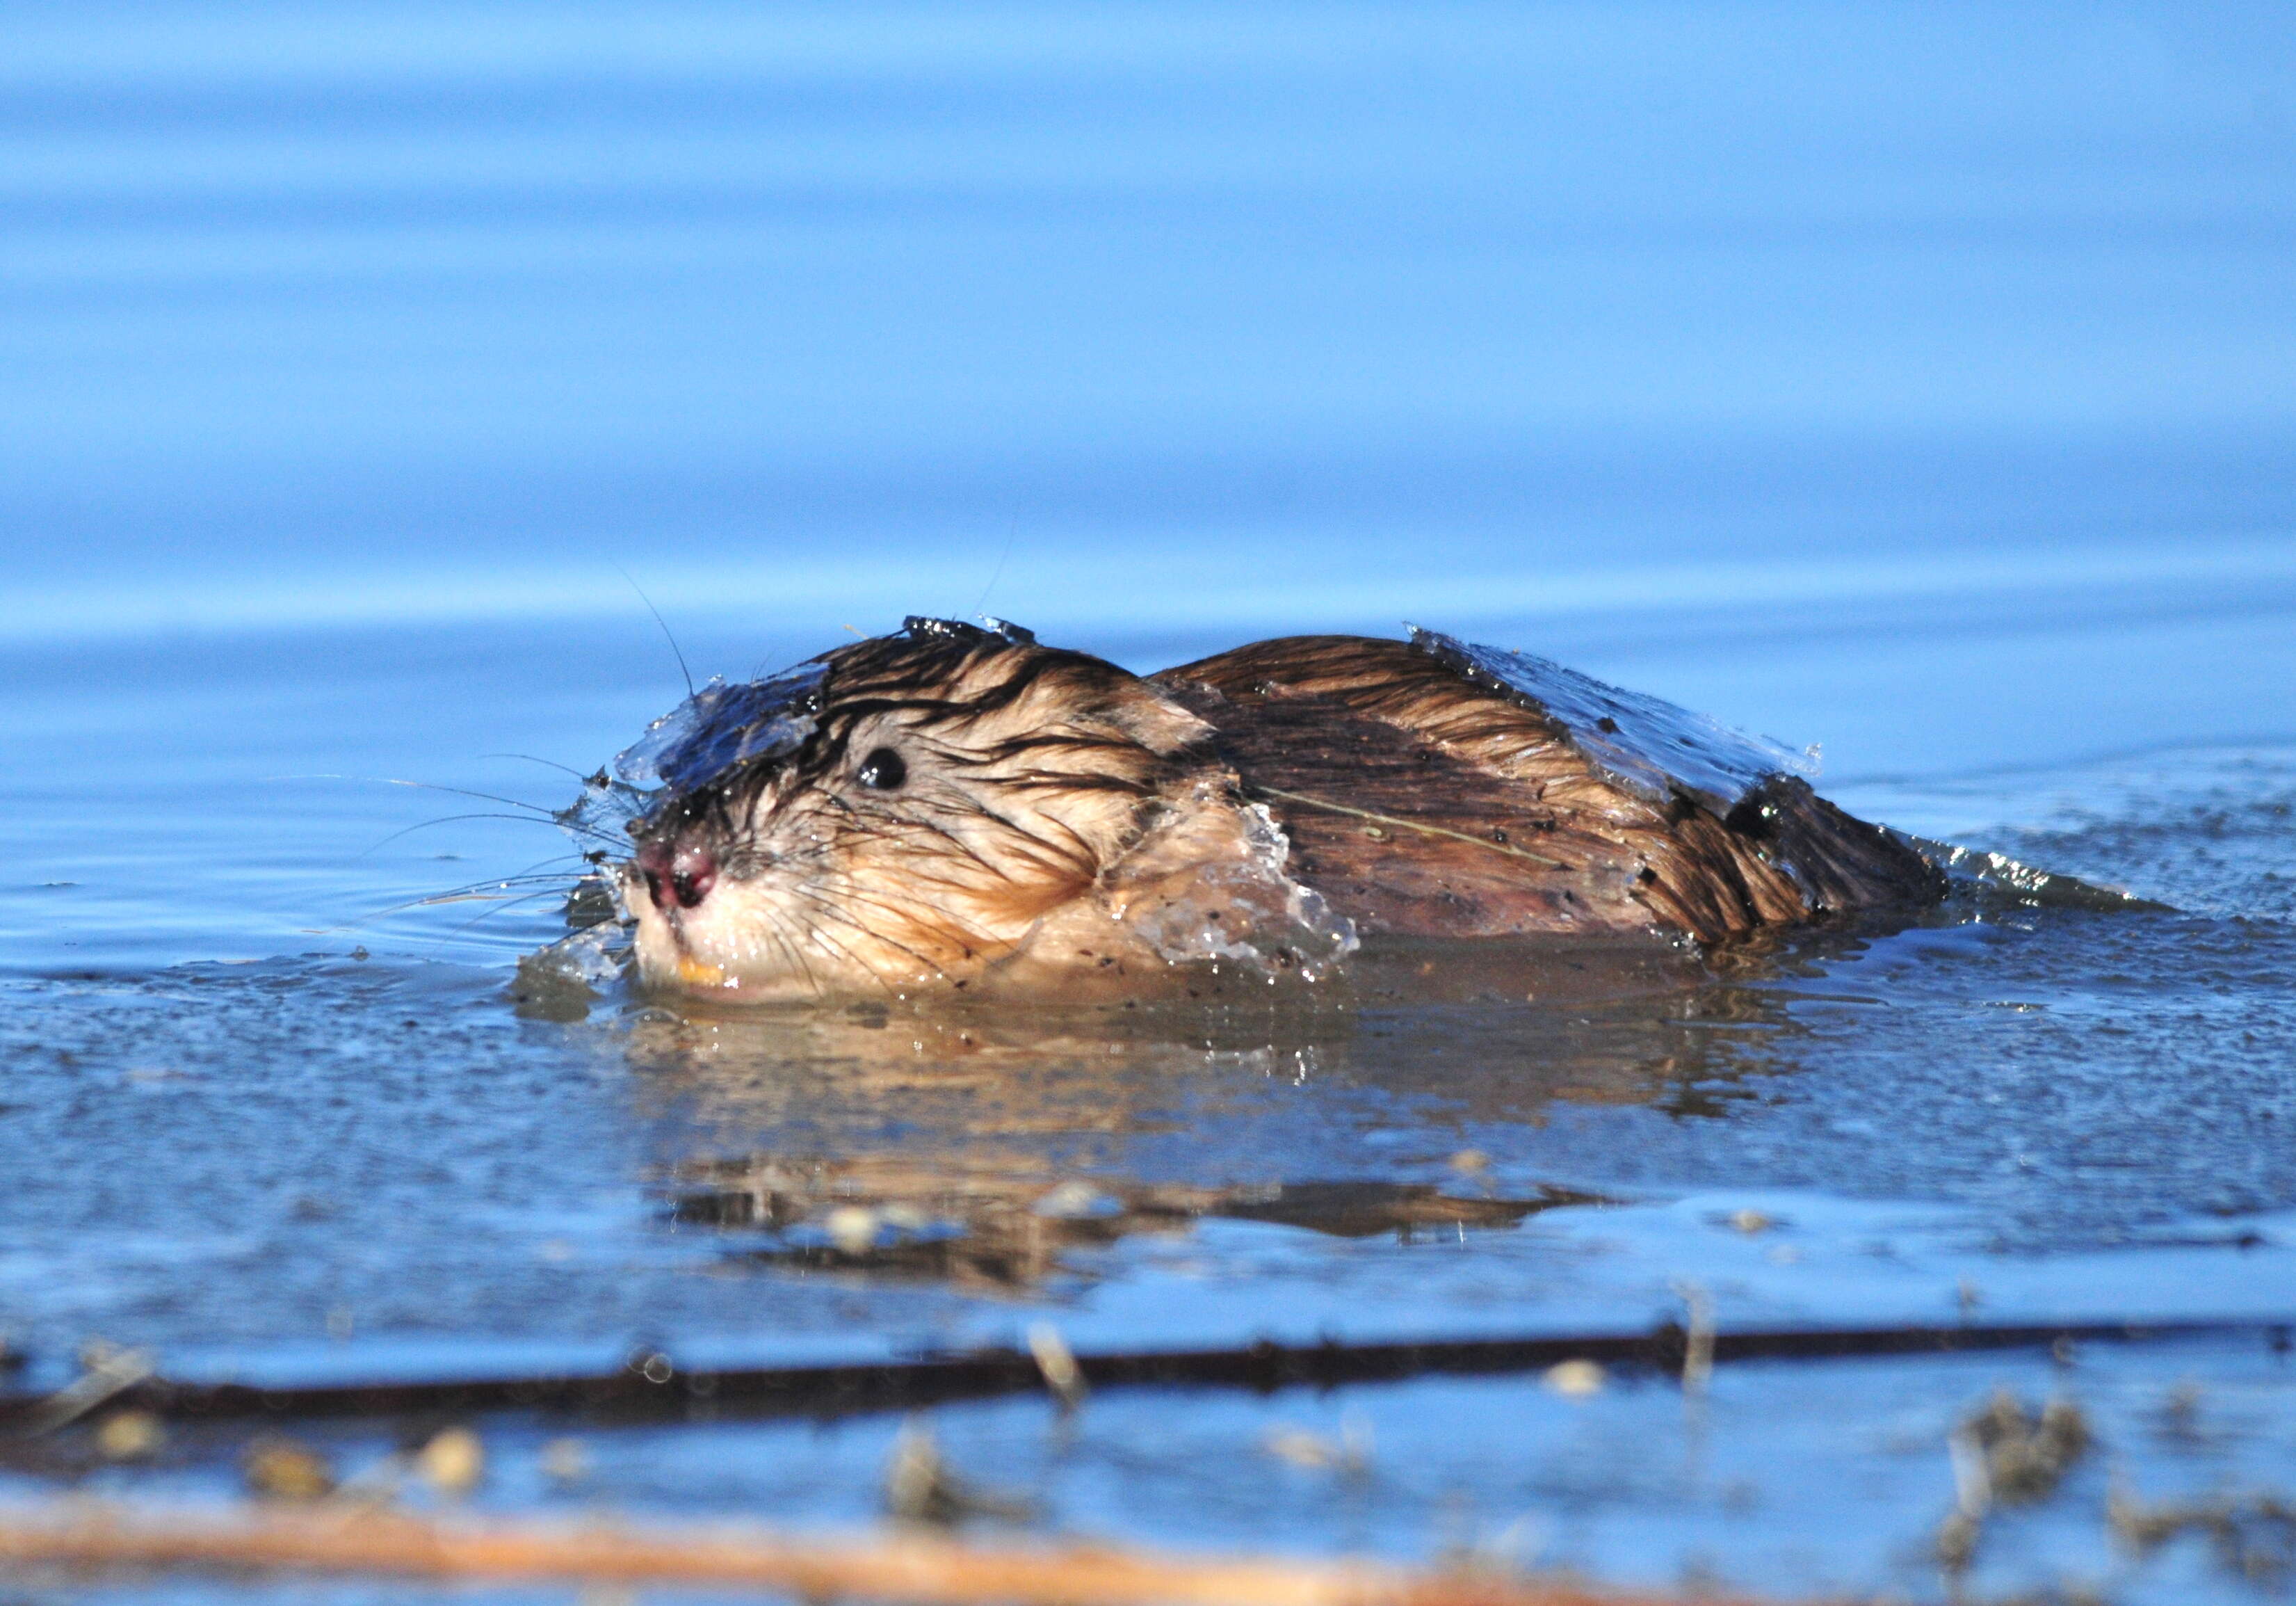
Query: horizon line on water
[[584, 589]]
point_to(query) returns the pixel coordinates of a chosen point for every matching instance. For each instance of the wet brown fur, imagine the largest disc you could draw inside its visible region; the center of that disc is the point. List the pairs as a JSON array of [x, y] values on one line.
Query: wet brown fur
[[1032, 769], [1045, 784], [1494, 823]]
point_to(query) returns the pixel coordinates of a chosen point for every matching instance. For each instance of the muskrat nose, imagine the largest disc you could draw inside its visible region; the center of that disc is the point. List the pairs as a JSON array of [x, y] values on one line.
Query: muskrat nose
[[692, 873], [683, 875]]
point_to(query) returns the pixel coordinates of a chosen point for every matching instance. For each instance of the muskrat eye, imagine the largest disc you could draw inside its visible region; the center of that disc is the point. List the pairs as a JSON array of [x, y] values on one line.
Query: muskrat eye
[[883, 770]]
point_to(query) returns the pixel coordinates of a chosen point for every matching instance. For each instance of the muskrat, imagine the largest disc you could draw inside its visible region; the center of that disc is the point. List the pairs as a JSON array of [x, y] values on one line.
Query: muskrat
[[958, 807]]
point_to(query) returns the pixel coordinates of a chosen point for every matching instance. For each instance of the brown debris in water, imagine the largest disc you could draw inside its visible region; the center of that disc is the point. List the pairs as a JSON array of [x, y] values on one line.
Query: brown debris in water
[[279, 1468], [2026, 1457], [453, 1461], [921, 1487], [130, 1435], [1349, 1453], [1058, 1363], [2253, 1536], [1957, 1540], [2003, 1455]]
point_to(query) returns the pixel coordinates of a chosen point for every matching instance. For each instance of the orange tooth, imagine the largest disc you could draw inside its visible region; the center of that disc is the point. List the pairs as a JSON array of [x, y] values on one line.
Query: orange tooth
[[693, 973]]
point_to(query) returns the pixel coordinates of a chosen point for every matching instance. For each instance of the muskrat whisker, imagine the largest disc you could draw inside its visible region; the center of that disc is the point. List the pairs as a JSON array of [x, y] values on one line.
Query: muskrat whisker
[[552, 764], [930, 964], [477, 890], [474, 895], [485, 892], [460, 894], [822, 900], [511, 802], [500, 904], [569, 822], [603, 838], [803, 961], [447, 820], [813, 932], [536, 814], [538, 872], [771, 930], [675, 650], [907, 917], [530, 876], [795, 950]]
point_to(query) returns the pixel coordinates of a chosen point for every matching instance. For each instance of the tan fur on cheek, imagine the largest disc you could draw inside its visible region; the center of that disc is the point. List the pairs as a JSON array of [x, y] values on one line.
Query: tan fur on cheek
[[1027, 774]]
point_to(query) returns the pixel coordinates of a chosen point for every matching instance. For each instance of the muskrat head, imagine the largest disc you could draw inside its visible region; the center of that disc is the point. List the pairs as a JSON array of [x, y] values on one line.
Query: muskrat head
[[904, 812]]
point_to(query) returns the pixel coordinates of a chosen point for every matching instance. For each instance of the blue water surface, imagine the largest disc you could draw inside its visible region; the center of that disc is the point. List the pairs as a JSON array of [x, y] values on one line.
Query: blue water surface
[[1917, 383]]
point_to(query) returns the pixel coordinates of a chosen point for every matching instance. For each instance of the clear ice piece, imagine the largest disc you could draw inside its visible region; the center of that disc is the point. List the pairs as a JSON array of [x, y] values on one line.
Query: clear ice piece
[[1241, 907], [595, 956], [1996, 878], [721, 726], [1645, 744]]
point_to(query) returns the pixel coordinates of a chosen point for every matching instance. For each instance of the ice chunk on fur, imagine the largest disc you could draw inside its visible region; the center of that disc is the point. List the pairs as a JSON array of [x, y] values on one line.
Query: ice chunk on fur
[[1231, 900], [721, 726], [1644, 744]]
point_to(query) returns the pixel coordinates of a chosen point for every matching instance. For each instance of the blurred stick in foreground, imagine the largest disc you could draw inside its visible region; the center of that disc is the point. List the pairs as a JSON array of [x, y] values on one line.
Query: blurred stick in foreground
[[888, 1566]]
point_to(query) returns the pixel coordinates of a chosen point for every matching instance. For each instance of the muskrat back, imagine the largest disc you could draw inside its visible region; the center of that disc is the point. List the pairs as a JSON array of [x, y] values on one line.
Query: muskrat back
[[1425, 795]]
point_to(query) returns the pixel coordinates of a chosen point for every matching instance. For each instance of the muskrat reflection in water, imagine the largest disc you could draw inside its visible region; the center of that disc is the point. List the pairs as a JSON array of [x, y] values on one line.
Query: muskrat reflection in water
[[998, 1146], [961, 809]]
